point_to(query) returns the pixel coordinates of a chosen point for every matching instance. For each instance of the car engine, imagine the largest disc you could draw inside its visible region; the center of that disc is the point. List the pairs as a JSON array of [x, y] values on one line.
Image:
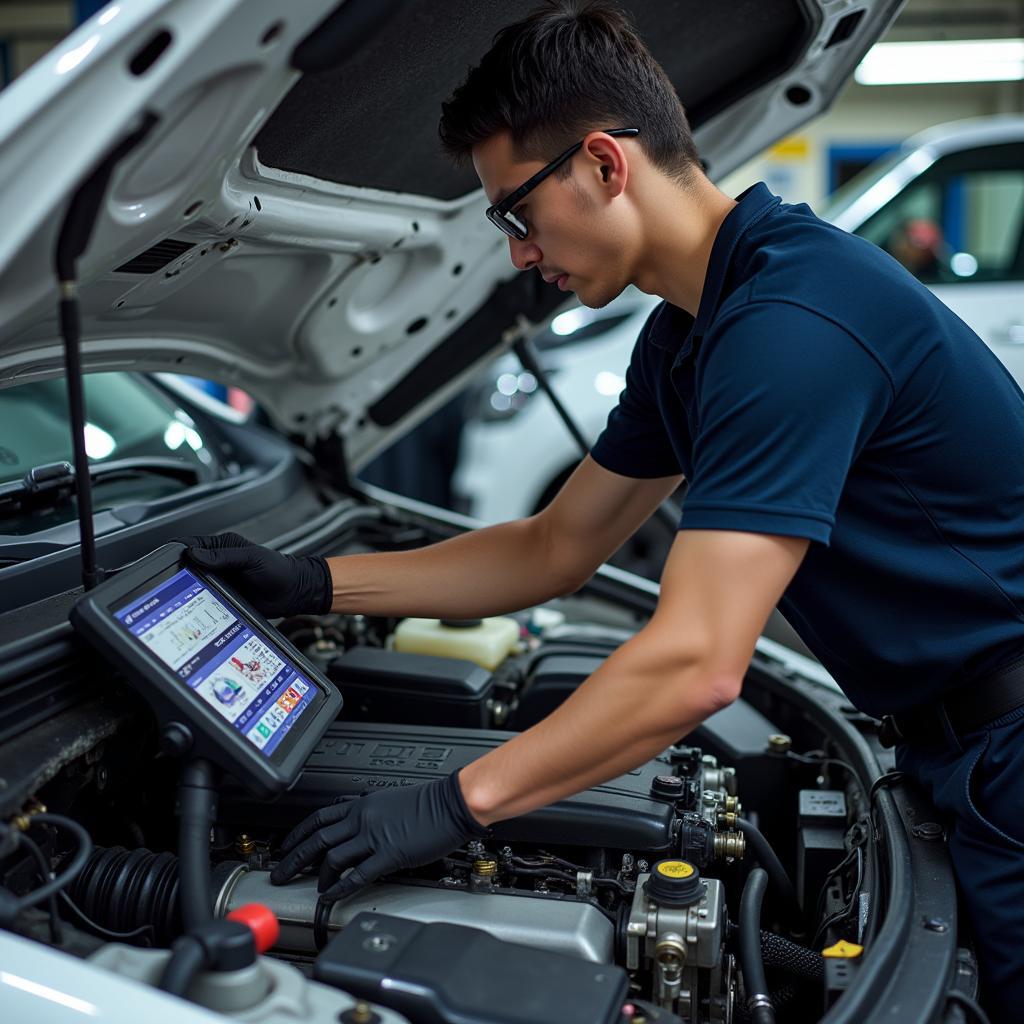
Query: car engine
[[643, 874]]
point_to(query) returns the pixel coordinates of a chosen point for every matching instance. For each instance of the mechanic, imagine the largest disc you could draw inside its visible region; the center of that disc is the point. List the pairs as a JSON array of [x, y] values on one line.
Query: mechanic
[[854, 453]]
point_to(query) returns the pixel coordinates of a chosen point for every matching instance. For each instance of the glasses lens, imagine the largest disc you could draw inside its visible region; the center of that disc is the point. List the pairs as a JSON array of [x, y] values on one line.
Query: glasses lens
[[517, 224], [508, 223]]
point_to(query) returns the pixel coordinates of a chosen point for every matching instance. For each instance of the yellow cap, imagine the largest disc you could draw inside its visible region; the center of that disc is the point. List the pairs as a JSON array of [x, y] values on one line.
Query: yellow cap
[[675, 869], [843, 949]]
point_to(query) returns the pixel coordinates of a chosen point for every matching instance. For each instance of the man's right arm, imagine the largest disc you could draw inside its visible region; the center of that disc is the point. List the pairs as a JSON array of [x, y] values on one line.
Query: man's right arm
[[507, 567]]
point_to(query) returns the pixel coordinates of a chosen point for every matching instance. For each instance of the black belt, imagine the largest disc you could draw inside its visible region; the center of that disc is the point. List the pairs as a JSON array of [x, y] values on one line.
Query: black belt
[[967, 708]]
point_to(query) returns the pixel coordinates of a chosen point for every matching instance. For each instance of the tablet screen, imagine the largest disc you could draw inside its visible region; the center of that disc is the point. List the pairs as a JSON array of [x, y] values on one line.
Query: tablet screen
[[221, 658]]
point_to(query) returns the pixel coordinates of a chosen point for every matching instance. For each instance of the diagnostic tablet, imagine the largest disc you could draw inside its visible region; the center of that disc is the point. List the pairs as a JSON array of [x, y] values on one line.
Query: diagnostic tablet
[[224, 684]]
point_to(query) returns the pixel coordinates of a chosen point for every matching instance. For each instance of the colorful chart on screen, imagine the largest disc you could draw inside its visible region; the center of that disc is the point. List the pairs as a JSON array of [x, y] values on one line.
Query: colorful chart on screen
[[220, 658]]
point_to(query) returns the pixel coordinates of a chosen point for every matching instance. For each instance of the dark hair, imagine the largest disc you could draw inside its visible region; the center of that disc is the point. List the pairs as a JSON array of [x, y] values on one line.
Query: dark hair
[[567, 69]]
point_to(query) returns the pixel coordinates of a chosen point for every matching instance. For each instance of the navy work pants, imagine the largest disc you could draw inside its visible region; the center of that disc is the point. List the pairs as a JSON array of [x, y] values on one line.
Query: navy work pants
[[977, 782]]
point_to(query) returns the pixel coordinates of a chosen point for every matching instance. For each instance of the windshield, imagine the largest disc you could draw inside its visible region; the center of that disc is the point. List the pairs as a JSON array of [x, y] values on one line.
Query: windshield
[[860, 183], [127, 418]]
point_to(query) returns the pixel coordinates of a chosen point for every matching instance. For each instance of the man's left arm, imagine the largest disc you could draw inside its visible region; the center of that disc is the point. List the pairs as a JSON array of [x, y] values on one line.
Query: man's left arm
[[717, 591]]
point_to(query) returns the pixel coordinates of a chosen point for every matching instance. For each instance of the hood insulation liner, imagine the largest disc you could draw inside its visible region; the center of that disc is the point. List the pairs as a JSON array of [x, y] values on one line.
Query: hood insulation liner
[[331, 123]]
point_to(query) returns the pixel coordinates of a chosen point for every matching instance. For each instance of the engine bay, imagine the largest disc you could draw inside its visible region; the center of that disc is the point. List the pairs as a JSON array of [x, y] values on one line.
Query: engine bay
[[648, 876]]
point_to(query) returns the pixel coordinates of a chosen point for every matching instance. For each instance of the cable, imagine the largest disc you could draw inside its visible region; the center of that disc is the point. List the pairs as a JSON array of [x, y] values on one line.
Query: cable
[[969, 1004], [841, 915], [751, 963], [47, 875], [884, 780], [72, 869], [107, 933], [856, 842]]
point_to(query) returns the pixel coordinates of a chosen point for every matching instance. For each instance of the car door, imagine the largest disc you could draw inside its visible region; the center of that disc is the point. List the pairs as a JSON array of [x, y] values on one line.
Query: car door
[[959, 228]]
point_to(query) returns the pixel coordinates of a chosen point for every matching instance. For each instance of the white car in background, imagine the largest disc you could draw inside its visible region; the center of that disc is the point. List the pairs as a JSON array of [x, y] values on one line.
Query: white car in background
[[949, 204]]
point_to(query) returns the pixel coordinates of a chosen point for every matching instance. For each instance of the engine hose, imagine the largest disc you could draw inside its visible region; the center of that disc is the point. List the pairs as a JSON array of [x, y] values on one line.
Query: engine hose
[[769, 860], [188, 957], [125, 890], [779, 952], [751, 965]]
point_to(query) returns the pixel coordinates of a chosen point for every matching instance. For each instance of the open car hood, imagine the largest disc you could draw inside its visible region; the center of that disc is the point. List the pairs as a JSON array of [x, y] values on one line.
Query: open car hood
[[289, 225]]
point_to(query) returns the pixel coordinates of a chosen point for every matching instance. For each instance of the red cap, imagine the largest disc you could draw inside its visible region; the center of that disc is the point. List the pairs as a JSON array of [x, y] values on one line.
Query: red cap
[[260, 920]]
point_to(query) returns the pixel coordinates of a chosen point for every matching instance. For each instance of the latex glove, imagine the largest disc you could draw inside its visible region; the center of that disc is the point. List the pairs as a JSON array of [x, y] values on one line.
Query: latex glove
[[377, 834], [275, 584]]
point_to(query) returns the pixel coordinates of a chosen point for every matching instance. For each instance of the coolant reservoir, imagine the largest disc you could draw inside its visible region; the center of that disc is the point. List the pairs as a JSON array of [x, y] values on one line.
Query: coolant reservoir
[[488, 642]]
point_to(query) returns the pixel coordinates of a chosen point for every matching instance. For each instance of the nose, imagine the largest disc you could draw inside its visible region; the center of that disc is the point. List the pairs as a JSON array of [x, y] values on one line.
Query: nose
[[523, 253]]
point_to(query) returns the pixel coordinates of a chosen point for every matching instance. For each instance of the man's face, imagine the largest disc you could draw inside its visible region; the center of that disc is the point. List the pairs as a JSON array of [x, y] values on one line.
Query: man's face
[[572, 236]]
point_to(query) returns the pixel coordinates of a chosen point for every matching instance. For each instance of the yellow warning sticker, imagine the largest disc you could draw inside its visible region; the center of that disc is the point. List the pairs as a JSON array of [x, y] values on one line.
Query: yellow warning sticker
[[675, 869], [843, 949]]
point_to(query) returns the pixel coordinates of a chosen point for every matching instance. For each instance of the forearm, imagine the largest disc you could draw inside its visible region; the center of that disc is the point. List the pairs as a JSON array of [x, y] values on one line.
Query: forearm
[[489, 571], [627, 712]]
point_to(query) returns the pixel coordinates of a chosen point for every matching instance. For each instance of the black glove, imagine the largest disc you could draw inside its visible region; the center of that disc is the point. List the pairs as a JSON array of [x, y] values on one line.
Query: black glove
[[377, 834], [275, 584]]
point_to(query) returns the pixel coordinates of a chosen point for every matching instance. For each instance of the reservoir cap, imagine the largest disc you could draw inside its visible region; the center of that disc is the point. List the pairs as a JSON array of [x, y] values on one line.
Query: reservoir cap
[[674, 883]]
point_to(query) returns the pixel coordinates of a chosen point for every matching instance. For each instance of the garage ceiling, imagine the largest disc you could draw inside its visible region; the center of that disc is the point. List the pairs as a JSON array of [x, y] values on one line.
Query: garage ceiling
[[955, 19]]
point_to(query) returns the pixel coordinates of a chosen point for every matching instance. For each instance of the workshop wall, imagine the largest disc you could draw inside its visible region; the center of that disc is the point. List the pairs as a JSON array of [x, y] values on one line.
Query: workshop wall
[[864, 120]]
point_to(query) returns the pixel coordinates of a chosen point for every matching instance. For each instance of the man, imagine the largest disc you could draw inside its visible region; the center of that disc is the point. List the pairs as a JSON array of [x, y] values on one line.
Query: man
[[853, 453]]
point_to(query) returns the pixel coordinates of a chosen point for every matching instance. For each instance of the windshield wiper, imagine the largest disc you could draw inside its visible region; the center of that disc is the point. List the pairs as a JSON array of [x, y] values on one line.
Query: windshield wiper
[[52, 484]]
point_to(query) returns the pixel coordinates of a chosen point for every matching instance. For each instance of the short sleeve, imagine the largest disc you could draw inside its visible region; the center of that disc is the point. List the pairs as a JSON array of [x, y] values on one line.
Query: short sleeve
[[635, 441], [787, 399]]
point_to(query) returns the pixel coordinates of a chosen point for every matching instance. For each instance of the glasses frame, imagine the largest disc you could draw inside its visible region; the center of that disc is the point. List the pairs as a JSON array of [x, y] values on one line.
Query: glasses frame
[[500, 213]]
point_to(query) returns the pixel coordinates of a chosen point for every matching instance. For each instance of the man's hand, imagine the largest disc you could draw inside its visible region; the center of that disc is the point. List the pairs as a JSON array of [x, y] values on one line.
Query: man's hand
[[274, 583], [377, 834]]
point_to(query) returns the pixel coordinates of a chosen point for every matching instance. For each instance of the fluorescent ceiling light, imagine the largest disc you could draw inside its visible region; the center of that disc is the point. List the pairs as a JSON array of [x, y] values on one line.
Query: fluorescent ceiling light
[[959, 60]]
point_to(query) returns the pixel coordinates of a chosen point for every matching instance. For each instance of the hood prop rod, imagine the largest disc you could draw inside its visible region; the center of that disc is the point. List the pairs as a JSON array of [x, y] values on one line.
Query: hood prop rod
[[668, 511], [72, 240]]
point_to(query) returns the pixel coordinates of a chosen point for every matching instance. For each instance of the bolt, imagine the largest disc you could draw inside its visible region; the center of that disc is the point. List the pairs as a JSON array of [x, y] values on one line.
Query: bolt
[[475, 848], [245, 844], [779, 743], [361, 1014], [485, 867], [936, 924], [642, 865], [929, 831]]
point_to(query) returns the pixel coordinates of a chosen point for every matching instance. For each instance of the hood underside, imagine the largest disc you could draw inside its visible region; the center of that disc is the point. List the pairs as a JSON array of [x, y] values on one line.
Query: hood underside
[[289, 225]]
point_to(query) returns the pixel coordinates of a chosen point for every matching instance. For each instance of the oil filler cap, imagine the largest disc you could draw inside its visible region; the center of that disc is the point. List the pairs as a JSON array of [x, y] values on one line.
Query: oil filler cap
[[668, 787], [674, 883]]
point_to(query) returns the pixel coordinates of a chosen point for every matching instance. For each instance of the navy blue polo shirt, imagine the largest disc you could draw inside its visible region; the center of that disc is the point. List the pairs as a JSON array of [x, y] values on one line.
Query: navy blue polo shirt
[[823, 392]]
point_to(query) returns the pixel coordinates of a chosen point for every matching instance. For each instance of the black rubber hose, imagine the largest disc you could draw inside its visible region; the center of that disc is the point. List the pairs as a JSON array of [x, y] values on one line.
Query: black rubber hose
[[188, 956], [769, 860], [197, 810], [751, 965]]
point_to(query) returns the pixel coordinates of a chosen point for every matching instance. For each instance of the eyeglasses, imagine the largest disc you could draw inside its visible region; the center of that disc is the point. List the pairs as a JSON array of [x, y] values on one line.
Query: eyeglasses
[[501, 214]]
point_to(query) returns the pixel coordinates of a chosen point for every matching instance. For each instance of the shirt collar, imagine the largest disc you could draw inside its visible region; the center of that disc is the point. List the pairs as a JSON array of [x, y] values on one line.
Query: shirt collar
[[751, 205]]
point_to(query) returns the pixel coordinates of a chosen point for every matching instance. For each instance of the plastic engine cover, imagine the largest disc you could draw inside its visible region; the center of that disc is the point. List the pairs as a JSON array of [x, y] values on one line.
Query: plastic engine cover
[[356, 758], [449, 974]]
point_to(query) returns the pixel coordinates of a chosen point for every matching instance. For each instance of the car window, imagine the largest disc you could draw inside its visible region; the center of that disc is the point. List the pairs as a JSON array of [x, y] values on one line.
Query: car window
[[127, 418], [961, 220]]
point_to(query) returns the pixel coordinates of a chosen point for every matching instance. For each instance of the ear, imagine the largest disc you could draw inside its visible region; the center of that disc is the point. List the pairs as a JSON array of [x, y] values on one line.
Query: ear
[[607, 161]]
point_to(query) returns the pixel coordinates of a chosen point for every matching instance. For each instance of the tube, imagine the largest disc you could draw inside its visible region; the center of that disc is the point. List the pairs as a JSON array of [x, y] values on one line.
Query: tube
[[768, 860], [751, 965], [197, 810], [188, 957]]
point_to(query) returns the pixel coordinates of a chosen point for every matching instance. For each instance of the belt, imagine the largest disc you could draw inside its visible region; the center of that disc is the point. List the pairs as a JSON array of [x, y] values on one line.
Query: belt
[[967, 708]]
